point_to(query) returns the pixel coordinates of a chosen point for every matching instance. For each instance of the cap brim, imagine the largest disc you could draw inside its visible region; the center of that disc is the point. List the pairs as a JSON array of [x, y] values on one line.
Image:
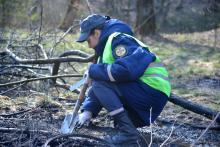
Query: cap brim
[[83, 37]]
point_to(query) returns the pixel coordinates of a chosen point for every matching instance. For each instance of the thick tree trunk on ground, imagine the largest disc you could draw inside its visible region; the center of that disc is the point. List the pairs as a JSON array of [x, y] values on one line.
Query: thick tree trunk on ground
[[199, 109], [145, 17]]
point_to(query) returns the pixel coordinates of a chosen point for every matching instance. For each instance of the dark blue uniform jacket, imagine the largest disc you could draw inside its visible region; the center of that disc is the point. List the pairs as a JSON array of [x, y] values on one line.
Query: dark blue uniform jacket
[[126, 71]]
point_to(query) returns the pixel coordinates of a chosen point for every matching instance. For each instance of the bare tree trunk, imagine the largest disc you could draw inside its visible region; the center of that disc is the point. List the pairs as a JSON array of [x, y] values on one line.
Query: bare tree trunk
[[3, 13], [145, 17], [71, 14]]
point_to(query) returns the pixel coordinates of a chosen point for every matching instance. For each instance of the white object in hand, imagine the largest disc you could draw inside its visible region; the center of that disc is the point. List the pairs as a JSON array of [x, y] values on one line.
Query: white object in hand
[[83, 118]]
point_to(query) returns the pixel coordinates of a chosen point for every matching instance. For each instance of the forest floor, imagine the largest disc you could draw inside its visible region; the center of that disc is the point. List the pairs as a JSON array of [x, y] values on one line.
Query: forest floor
[[193, 61]]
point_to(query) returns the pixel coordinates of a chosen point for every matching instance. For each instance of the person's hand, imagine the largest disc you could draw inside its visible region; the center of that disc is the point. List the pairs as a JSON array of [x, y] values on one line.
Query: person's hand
[[83, 118]]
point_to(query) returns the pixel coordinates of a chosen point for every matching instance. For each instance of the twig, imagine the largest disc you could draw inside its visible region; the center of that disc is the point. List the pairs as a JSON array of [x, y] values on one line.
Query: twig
[[171, 132], [145, 21], [13, 74], [61, 38], [164, 121], [11, 89], [23, 66], [151, 131], [9, 141], [194, 143], [143, 138], [16, 113], [172, 129], [41, 21], [216, 35], [43, 51], [8, 130], [12, 119], [65, 99], [148, 18], [75, 135], [89, 7], [37, 79]]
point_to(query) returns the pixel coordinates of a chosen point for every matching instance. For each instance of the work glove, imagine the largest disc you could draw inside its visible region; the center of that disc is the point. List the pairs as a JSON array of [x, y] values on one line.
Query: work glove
[[82, 119]]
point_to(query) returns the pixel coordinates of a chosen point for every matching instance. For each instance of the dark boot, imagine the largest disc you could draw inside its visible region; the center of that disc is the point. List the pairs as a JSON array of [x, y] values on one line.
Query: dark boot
[[127, 133]]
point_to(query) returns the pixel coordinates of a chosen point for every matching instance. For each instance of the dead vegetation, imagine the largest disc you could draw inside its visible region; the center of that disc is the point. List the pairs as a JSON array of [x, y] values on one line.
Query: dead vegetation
[[34, 97]]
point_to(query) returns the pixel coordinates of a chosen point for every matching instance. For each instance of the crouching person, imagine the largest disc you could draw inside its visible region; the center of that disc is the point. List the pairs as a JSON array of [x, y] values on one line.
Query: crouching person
[[129, 81]]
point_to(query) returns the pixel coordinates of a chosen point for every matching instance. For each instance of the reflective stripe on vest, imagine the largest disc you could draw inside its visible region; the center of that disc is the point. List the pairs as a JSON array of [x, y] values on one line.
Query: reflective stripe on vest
[[156, 64], [155, 75]]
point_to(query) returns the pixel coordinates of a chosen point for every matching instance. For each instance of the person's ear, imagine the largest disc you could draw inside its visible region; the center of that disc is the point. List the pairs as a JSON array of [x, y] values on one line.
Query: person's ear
[[97, 33]]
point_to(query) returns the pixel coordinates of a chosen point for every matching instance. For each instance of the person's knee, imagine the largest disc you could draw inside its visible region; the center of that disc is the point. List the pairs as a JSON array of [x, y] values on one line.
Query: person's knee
[[100, 84], [107, 95], [91, 104], [104, 84]]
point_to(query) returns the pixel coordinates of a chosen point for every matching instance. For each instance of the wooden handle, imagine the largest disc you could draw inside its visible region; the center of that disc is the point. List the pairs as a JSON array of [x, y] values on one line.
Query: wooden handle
[[80, 98], [82, 92]]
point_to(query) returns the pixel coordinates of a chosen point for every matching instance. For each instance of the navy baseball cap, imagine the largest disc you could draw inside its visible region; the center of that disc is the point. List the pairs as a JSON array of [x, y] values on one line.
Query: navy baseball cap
[[88, 24]]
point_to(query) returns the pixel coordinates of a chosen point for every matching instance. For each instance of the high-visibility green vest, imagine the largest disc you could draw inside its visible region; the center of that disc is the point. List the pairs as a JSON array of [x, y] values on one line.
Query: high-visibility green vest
[[155, 75]]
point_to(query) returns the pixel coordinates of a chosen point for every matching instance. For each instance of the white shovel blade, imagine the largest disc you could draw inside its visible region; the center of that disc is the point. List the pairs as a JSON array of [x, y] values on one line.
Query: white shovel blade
[[68, 124], [77, 84]]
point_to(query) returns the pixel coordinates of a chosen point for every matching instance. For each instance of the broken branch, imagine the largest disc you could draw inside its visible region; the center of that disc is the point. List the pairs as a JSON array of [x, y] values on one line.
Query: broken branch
[[37, 79], [47, 61]]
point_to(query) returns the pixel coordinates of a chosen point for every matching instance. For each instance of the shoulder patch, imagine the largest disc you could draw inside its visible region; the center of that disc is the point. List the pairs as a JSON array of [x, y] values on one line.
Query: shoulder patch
[[120, 51]]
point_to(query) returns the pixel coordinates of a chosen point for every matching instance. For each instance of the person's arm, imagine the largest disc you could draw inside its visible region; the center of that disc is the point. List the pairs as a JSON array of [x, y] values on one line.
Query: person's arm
[[131, 60]]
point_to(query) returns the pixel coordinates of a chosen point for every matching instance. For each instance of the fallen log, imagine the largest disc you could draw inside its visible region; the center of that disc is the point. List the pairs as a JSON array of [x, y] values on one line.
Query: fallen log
[[194, 107], [18, 60]]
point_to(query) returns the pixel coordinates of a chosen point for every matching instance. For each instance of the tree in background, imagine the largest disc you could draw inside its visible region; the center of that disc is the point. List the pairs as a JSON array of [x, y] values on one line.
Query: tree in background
[[6, 8], [13, 13], [35, 14], [2, 14], [71, 14], [145, 23]]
